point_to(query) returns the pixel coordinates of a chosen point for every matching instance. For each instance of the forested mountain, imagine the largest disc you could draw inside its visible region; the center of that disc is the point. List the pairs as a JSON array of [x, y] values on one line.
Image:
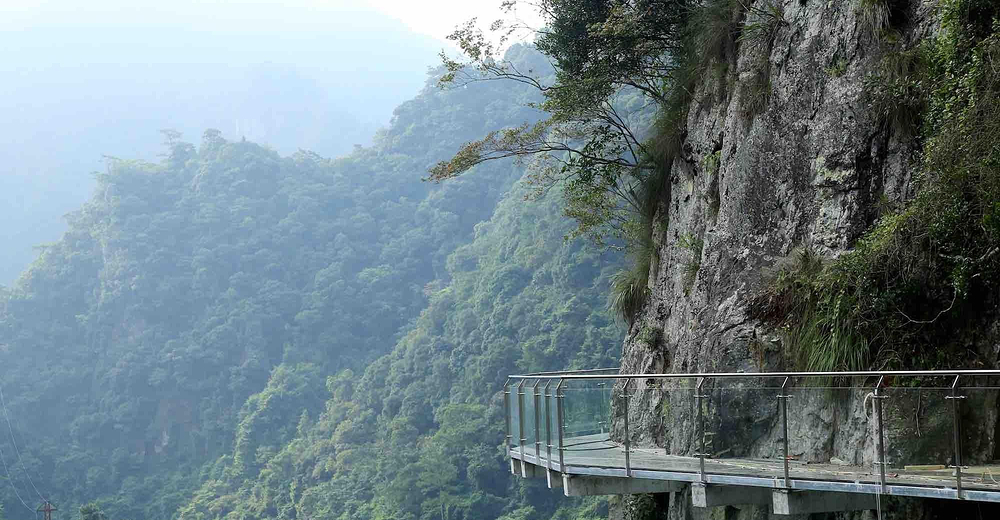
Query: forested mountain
[[74, 90], [235, 332], [419, 432]]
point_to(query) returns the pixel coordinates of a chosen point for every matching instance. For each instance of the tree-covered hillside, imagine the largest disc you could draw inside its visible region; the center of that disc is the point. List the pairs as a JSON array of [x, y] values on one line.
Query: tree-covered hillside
[[418, 434], [208, 305]]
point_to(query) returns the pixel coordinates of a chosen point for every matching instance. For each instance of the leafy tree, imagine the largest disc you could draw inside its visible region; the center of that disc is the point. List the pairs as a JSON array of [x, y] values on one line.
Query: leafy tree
[[607, 55], [92, 511]]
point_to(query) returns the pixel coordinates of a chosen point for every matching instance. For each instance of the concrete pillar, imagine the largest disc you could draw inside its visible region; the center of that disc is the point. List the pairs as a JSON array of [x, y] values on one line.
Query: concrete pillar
[[715, 496], [581, 486], [793, 502], [554, 479], [525, 469]]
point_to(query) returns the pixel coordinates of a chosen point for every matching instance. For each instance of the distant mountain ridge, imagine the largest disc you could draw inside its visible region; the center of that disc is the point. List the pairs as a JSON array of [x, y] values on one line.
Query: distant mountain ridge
[[71, 94]]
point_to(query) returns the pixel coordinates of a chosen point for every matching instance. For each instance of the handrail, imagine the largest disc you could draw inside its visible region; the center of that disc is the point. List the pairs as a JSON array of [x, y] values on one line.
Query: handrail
[[568, 372], [761, 375], [552, 386]]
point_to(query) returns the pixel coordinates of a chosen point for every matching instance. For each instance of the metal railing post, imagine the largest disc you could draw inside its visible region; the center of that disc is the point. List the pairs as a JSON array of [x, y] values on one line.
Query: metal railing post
[[506, 411], [561, 419], [605, 422], [783, 398], [956, 406], [548, 424], [520, 419], [701, 427], [881, 436], [535, 396], [628, 462]]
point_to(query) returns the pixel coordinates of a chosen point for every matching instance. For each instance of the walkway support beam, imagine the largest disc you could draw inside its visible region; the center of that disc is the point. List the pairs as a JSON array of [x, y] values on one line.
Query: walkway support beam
[[708, 495], [585, 486], [786, 502]]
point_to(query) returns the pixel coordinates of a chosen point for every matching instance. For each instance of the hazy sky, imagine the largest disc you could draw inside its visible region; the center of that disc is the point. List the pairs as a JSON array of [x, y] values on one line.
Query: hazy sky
[[431, 17], [439, 17], [84, 78]]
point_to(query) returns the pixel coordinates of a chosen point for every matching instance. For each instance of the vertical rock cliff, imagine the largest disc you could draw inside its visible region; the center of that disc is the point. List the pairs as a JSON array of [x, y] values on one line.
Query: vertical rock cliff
[[781, 153]]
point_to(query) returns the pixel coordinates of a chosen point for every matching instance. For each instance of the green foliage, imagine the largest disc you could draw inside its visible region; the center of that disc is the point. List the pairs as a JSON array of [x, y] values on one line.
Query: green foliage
[[650, 336], [713, 33], [816, 325], [874, 14], [92, 511], [417, 434], [837, 69], [764, 19], [607, 56], [897, 91], [629, 289], [182, 328]]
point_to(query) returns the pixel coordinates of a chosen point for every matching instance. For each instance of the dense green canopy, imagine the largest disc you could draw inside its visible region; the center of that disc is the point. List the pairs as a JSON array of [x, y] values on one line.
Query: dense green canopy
[[230, 331]]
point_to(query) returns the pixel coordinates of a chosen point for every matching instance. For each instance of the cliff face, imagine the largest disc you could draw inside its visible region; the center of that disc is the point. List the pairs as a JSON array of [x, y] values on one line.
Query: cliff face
[[781, 153]]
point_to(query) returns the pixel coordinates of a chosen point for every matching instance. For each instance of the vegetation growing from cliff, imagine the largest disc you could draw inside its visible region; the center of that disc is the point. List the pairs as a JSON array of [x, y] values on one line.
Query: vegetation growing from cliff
[[931, 267]]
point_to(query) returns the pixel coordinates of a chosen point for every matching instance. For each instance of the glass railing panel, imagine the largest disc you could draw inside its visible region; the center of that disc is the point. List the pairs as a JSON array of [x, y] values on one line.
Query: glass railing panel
[[979, 456], [549, 422], [918, 432], [514, 412], [588, 406], [656, 423], [740, 418], [830, 437], [552, 417], [682, 436], [528, 409]]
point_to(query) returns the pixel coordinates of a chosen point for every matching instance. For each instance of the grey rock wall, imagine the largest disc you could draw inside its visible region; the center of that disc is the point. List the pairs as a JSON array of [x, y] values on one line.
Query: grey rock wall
[[809, 170]]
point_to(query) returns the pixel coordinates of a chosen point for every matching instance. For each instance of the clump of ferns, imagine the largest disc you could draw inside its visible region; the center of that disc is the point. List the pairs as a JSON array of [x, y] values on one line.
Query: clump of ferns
[[873, 14], [715, 29], [760, 30], [881, 17], [763, 21], [630, 286], [815, 318], [897, 90]]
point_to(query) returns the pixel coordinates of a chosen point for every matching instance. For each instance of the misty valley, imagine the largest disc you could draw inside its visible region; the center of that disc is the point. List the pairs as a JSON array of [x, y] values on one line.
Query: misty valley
[[287, 260]]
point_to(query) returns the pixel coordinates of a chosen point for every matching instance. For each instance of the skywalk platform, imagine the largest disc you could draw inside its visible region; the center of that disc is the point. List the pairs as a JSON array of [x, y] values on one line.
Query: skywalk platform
[[594, 465], [597, 456], [552, 419]]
